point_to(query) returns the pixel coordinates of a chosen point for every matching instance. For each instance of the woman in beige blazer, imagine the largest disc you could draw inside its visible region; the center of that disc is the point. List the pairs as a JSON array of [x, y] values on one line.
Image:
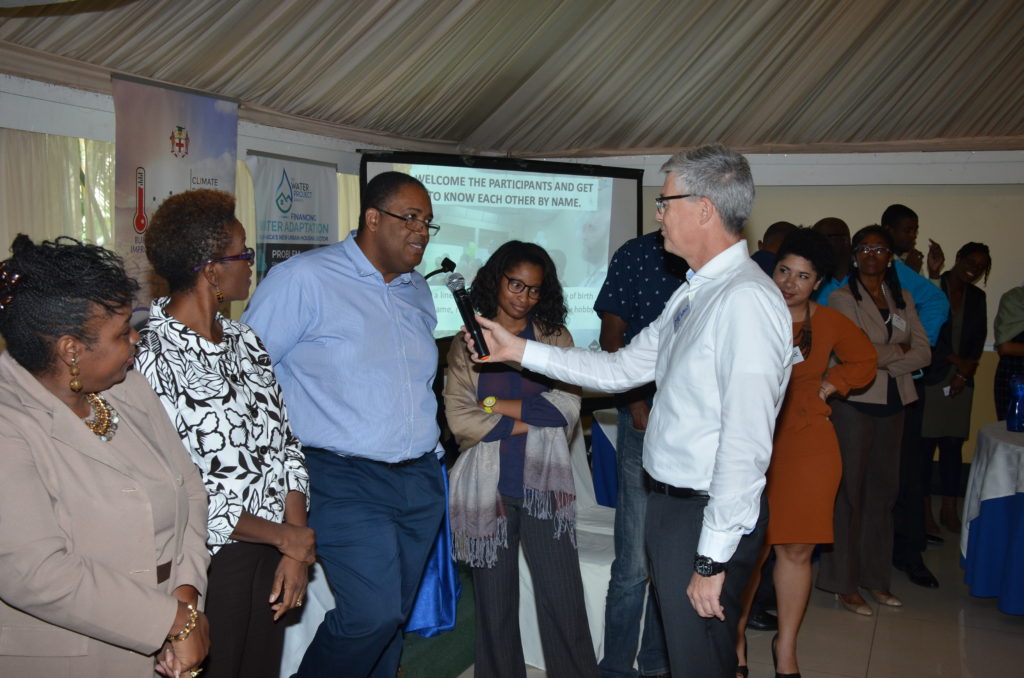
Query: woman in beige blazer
[[102, 513], [869, 425]]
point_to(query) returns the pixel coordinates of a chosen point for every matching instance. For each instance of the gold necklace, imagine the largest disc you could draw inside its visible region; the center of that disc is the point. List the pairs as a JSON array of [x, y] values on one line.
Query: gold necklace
[[105, 420]]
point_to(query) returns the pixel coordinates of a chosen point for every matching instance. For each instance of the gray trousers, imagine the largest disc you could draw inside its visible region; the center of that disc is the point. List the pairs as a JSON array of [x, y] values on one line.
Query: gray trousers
[[558, 590], [698, 647], [863, 522]]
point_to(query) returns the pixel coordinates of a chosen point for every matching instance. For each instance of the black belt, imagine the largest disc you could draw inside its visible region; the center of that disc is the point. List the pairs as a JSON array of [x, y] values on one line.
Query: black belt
[[163, 572], [389, 464], [659, 487]]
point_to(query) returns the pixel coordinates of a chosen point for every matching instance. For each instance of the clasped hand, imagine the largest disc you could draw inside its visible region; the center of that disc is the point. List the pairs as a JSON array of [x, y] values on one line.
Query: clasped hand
[[180, 656]]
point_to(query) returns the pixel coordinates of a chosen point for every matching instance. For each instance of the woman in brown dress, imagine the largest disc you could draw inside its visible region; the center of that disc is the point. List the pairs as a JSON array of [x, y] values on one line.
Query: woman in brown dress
[[806, 468]]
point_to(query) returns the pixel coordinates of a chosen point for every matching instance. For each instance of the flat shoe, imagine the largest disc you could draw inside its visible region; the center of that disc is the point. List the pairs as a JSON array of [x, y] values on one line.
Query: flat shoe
[[886, 598], [861, 608]]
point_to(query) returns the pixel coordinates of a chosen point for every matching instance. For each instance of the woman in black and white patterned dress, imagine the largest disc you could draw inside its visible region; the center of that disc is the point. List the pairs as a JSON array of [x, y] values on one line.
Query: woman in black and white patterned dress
[[214, 378]]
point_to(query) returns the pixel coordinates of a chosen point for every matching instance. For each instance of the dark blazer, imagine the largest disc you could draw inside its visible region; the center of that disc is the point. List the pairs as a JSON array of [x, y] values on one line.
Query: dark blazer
[[973, 333]]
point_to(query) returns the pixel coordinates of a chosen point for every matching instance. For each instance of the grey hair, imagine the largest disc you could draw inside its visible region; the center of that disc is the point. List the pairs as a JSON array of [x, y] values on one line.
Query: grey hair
[[720, 175]]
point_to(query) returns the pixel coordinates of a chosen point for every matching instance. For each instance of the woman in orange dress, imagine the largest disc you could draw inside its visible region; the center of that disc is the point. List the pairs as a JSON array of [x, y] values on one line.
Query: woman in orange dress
[[806, 467]]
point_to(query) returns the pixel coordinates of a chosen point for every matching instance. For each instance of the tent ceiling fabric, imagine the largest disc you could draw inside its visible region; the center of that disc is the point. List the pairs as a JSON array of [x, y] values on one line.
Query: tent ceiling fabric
[[537, 78]]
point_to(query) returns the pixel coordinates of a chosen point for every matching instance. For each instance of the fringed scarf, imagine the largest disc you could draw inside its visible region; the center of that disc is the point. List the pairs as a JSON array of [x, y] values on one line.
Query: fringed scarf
[[479, 524]]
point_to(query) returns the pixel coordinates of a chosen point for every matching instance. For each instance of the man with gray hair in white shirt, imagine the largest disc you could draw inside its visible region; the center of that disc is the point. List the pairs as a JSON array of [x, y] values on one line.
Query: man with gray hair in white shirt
[[720, 353]]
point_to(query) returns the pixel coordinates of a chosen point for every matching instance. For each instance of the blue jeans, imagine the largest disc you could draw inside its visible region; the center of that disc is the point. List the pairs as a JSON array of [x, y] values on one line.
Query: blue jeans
[[375, 526], [629, 580]]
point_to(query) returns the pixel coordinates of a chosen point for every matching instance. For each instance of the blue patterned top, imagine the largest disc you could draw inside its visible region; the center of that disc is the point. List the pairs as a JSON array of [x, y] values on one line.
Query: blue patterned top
[[641, 278]]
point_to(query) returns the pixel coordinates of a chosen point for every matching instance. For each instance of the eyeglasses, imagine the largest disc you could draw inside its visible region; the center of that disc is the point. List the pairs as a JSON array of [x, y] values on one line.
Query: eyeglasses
[[872, 249], [412, 221], [248, 254], [515, 286], [659, 202]]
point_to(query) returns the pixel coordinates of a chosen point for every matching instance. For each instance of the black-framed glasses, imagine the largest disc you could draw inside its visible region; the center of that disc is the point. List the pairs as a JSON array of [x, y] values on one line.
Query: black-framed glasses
[[659, 202], [872, 249], [414, 223], [515, 286], [248, 254]]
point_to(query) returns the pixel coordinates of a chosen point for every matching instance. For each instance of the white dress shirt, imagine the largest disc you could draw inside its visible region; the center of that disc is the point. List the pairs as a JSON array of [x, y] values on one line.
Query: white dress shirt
[[720, 353]]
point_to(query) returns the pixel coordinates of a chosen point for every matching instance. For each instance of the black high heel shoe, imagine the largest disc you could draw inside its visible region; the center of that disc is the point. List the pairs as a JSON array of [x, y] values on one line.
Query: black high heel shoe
[[775, 662], [743, 671]]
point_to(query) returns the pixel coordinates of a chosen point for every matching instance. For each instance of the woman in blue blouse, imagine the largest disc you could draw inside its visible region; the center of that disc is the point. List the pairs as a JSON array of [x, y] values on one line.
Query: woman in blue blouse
[[214, 379], [513, 481]]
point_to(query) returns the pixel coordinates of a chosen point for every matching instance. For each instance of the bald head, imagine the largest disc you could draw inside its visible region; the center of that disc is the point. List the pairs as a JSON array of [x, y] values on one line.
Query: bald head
[[774, 235], [838, 234]]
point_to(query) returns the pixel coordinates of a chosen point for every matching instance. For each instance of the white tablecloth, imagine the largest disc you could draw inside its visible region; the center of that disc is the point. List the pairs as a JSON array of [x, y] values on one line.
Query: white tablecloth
[[992, 542], [997, 471]]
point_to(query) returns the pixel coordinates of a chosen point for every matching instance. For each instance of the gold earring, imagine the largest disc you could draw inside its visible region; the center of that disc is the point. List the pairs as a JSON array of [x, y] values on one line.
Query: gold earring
[[75, 384], [219, 295]]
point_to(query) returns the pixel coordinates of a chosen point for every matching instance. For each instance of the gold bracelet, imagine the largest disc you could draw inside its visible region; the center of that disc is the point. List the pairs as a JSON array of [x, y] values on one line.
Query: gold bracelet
[[190, 625]]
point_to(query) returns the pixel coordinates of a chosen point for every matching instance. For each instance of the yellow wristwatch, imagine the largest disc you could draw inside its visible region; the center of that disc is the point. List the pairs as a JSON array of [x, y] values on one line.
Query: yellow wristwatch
[[489, 403]]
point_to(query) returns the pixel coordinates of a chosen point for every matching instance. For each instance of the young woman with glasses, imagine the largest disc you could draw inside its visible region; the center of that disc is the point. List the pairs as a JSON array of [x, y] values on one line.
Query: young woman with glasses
[[513, 481]]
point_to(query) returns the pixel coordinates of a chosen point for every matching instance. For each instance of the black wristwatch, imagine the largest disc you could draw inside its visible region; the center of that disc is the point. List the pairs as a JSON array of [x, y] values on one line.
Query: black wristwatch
[[706, 567]]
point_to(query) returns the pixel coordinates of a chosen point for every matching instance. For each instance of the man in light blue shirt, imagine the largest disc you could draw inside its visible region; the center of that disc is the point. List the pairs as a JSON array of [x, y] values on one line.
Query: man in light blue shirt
[[349, 329]]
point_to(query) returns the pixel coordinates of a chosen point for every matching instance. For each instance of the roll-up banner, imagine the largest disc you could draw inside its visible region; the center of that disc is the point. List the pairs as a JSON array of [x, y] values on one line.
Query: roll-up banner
[[168, 140], [296, 207]]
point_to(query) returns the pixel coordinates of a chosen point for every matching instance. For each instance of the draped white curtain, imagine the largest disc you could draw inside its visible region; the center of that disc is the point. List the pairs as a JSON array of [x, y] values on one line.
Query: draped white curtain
[[52, 185]]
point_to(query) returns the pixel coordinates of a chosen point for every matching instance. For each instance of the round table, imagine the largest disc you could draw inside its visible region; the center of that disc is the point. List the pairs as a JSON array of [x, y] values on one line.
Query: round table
[[992, 541]]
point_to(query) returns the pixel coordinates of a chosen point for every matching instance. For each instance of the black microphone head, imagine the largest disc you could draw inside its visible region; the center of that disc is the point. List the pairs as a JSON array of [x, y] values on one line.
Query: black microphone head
[[455, 282], [447, 265]]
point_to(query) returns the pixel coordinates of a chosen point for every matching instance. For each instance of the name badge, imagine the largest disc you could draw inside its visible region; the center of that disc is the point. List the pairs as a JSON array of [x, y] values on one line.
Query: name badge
[[680, 315], [898, 323], [798, 356]]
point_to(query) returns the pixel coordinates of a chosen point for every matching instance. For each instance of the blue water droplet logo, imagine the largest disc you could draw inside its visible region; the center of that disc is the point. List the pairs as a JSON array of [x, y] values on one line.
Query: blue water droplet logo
[[284, 194]]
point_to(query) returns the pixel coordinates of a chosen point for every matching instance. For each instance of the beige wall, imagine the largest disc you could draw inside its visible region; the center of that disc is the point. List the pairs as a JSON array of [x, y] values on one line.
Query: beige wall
[[951, 215]]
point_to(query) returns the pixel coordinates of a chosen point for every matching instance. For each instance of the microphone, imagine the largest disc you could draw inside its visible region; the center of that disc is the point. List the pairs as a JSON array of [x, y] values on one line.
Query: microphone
[[457, 284], [447, 266]]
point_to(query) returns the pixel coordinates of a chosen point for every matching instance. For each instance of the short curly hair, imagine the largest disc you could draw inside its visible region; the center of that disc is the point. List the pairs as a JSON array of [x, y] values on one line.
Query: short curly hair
[[188, 229], [61, 285], [976, 248], [812, 246], [550, 311], [379, 191]]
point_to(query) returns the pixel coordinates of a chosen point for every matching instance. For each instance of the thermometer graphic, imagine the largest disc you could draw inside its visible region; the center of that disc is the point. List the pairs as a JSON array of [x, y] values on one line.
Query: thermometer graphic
[[140, 200]]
